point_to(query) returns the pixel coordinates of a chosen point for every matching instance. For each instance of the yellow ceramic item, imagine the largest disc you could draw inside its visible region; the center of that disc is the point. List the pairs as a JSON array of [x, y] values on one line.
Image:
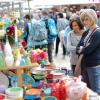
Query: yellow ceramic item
[[16, 52], [19, 33]]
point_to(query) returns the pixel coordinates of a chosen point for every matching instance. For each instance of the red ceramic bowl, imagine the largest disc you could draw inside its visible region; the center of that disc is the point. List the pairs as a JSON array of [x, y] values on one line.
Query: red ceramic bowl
[[2, 96]]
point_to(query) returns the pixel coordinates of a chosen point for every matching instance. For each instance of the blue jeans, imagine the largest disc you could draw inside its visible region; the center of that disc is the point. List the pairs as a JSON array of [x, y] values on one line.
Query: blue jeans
[[92, 77]]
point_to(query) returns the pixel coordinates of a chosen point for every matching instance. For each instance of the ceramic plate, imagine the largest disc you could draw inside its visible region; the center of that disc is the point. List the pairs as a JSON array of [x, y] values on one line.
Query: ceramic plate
[[58, 72], [41, 72], [26, 79]]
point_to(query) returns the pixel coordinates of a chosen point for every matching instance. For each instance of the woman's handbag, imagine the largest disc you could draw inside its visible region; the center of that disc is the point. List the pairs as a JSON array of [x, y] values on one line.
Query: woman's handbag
[[77, 71]]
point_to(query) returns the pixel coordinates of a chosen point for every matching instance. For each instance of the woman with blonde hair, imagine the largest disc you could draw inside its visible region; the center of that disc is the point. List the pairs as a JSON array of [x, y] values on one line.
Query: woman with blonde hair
[[89, 47]]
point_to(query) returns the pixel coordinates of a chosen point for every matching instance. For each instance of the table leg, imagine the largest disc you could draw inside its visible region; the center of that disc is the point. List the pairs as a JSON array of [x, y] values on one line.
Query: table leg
[[19, 73]]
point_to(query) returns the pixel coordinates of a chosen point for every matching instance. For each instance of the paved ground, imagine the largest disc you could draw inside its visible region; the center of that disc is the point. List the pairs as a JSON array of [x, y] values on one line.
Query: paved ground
[[60, 61]]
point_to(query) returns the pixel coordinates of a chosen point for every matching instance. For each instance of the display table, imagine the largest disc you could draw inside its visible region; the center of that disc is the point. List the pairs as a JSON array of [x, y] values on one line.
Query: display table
[[19, 70]]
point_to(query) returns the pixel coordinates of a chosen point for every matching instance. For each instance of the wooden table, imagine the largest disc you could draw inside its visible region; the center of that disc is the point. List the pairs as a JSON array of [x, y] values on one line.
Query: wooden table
[[19, 70]]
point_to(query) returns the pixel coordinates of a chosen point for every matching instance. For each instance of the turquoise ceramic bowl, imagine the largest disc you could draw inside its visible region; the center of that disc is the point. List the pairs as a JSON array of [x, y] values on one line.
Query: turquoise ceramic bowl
[[49, 98]]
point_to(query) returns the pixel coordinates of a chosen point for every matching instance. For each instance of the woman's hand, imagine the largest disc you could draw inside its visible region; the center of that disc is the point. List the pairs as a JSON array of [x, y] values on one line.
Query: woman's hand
[[79, 49]]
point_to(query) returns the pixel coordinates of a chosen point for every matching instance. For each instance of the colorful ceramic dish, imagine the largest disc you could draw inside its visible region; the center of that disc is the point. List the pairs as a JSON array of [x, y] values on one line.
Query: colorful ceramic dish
[[14, 92], [49, 98], [2, 96], [39, 71], [26, 79], [33, 91], [47, 91], [38, 77], [58, 73]]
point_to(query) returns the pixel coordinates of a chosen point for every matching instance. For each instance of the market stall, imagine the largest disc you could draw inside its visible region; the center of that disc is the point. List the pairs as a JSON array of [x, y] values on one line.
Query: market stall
[[26, 74]]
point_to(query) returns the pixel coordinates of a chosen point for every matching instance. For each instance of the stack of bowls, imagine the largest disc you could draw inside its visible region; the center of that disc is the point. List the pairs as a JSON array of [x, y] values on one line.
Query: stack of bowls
[[14, 93], [58, 74], [38, 74]]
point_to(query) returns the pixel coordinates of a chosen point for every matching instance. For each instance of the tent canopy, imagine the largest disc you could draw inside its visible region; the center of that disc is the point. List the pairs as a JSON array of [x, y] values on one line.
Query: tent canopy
[[58, 2], [54, 2], [43, 3]]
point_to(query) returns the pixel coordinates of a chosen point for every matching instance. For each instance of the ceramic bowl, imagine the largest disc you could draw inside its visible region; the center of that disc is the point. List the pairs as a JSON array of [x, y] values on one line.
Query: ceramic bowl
[[33, 91], [14, 92], [2, 96], [31, 97], [26, 79], [38, 84], [47, 91], [39, 71], [50, 98], [58, 73]]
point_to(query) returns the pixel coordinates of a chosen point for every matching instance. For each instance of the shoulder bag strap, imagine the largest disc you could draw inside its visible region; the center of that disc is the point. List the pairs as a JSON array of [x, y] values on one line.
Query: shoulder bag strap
[[88, 39]]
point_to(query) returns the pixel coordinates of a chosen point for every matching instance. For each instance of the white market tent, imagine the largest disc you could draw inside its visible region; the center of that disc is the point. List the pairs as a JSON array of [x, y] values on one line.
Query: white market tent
[[46, 3], [59, 2], [33, 4], [54, 2]]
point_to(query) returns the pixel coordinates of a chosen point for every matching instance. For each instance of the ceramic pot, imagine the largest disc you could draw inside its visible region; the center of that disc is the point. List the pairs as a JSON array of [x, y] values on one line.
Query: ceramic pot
[[76, 90]]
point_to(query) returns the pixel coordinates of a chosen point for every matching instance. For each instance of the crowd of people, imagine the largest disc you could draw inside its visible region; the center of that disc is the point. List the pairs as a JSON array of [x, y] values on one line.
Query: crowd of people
[[79, 35]]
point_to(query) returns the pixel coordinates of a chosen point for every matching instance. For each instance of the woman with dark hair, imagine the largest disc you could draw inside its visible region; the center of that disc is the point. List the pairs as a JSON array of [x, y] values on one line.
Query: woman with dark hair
[[73, 39]]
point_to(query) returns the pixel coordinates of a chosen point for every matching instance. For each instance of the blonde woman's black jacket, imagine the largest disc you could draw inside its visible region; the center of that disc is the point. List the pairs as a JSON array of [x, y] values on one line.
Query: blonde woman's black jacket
[[91, 53]]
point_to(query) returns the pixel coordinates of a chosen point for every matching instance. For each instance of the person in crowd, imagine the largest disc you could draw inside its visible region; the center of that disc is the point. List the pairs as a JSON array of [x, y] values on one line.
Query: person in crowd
[[73, 39], [97, 12], [38, 35], [68, 29], [20, 23], [35, 33], [62, 23], [85, 7], [25, 34], [66, 10], [53, 14], [89, 47], [51, 34]]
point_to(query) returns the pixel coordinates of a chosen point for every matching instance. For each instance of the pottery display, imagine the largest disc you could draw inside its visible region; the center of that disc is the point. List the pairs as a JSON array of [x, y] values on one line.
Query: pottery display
[[76, 90]]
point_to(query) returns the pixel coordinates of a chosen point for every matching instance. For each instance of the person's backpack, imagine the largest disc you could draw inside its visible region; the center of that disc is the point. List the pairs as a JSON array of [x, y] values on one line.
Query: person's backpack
[[51, 28], [40, 31], [37, 33]]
